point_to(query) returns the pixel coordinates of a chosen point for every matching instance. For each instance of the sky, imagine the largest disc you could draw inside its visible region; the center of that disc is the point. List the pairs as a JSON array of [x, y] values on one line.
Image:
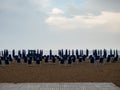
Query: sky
[[59, 24]]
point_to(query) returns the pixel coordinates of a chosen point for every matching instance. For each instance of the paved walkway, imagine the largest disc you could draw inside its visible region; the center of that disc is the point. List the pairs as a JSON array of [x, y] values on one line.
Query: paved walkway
[[58, 86]]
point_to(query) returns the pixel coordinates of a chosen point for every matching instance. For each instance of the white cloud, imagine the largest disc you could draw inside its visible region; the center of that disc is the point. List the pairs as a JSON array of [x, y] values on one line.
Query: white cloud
[[106, 20], [57, 11]]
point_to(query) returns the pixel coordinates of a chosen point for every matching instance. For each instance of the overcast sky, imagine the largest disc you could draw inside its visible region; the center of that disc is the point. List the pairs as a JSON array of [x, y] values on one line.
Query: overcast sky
[[57, 24]]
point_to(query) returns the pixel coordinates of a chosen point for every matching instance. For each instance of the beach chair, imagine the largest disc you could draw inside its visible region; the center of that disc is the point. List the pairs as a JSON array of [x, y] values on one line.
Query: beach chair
[[69, 60], [92, 60], [101, 60], [80, 59], [37, 60]]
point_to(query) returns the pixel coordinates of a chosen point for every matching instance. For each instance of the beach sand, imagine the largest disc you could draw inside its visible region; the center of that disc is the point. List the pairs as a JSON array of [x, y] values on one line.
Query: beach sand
[[77, 72]]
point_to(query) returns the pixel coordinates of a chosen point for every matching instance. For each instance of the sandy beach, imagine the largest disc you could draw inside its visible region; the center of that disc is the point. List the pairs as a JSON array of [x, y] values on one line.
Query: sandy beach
[[49, 72]]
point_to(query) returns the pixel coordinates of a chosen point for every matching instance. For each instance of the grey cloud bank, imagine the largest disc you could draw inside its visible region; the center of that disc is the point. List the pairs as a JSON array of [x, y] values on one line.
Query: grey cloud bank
[[29, 24]]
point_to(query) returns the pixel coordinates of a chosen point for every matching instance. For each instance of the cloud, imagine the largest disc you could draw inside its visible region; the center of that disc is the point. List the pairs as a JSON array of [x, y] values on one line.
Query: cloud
[[40, 4], [19, 5], [56, 11], [6, 5], [104, 5], [93, 6], [106, 20]]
